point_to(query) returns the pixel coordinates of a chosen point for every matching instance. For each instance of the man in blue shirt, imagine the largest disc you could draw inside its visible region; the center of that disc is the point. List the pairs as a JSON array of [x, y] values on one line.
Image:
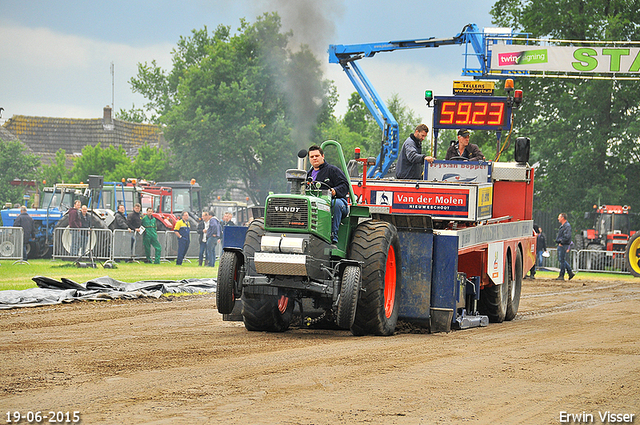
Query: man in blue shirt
[[564, 245]]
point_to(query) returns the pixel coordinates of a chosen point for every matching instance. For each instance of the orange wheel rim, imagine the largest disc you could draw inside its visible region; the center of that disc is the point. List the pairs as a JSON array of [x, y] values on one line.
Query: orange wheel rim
[[390, 283]]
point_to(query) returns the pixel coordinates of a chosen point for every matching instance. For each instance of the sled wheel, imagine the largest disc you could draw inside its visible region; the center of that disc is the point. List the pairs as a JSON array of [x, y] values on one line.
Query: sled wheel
[[375, 244], [494, 299], [228, 274], [515, 288], [348, 302], [633, 255]]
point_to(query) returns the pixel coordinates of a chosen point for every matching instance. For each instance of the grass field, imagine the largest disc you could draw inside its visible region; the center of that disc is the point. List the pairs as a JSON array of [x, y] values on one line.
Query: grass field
[[18, 276]]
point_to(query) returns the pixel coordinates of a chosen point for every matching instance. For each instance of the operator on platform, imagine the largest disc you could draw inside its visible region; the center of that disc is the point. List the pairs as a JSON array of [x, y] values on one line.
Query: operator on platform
[[463, 149], [337, 183], [411, 158]]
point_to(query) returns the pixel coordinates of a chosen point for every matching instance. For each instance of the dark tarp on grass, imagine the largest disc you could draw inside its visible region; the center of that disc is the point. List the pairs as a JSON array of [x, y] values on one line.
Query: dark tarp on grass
[[51, 291]]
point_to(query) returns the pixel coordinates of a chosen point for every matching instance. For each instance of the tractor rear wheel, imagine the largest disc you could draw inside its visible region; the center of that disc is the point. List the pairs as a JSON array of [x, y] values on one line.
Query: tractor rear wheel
[[375, 244], [228, 275], [633, 255], [348, 302], [515, 288], [495, 299], [261, 309]]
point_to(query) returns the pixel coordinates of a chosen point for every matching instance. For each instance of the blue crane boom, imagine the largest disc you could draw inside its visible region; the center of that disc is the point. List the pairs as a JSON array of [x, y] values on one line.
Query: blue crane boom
[[348, 55]]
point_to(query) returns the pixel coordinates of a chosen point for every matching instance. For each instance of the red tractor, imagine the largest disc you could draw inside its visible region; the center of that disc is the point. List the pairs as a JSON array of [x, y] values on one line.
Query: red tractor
[[169, 199], [611, 230], [610, 235]]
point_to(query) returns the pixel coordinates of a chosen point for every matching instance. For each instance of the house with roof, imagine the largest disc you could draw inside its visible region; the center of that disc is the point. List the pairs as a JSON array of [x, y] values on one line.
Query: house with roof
[[44, 136]]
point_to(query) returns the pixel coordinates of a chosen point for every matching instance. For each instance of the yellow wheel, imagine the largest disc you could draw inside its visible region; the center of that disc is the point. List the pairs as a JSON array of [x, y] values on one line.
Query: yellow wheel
[[633, 255]]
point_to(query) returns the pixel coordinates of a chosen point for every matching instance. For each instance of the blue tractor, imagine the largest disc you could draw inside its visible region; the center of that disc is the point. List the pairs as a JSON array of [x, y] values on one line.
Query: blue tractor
[[55, 202]]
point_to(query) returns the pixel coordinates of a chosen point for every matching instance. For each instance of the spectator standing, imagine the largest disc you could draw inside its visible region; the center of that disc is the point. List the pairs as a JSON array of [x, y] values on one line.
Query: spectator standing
[[227, 219], [182, 230], [150, 236], [541, 246], [75, 224], [85, 220], [25, 221], [214, 233], [134, 221], [564, 245], [203, 226], [120, 219]]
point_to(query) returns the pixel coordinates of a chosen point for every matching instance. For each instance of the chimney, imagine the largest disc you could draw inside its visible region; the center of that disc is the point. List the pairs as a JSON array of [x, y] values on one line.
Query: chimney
[[107, 120]]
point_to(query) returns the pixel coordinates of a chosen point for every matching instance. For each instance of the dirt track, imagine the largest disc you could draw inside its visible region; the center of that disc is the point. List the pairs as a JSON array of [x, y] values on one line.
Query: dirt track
[[574, 347]]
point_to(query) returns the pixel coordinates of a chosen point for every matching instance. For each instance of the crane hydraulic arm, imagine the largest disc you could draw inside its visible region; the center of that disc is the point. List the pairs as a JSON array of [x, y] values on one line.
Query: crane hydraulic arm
[[348, 55]]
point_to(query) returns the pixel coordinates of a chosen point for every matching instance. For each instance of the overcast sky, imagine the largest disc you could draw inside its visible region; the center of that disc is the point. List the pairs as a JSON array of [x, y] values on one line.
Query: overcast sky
[[56, 56]]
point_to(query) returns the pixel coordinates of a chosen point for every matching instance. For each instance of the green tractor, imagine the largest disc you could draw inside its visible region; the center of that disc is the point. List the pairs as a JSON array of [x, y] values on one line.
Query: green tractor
[[288, 258]]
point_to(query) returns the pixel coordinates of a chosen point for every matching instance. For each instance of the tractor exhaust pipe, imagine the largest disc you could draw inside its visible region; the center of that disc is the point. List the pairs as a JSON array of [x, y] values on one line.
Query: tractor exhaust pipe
[[302, 155], [297, 176]]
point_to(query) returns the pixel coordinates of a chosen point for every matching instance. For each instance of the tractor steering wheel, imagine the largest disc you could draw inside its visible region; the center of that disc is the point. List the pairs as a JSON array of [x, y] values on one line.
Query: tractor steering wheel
[[458, 158], [317, 185]]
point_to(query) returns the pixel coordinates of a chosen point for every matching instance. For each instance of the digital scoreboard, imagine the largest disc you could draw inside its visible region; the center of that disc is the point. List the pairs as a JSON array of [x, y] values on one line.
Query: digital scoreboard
[[472, 112]]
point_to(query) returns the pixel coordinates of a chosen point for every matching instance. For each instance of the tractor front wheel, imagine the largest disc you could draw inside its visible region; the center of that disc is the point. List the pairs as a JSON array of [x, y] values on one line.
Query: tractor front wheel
[[228, 275], [348, 301]]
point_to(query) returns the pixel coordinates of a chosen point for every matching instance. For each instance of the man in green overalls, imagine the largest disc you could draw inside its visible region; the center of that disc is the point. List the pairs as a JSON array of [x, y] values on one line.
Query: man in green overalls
[[150, 236]]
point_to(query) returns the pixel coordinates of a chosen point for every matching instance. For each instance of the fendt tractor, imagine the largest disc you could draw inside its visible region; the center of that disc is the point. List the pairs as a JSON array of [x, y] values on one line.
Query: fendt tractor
[[447, 251]]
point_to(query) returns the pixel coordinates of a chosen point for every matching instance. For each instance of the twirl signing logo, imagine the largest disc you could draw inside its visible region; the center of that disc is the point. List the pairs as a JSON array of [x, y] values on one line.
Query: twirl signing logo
[[525, 57]]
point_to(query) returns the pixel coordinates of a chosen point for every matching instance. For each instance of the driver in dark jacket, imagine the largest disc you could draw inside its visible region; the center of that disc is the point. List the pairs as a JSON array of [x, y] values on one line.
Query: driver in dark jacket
[[336, 182], [463, 149]]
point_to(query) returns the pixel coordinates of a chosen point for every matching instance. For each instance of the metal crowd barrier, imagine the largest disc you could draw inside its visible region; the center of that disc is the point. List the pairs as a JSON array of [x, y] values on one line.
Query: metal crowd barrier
[[123, 249], [600, 261], [11, 243], [71, 243], [170, 246], [127, 245], [588, 260]]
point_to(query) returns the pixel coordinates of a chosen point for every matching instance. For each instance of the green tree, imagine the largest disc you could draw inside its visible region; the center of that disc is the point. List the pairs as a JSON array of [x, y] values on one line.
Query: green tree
[[57, 171], [132, 115], [153, 163], [15, 163], [238, 106], [357, 116], [110, 162], [584, 133]]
